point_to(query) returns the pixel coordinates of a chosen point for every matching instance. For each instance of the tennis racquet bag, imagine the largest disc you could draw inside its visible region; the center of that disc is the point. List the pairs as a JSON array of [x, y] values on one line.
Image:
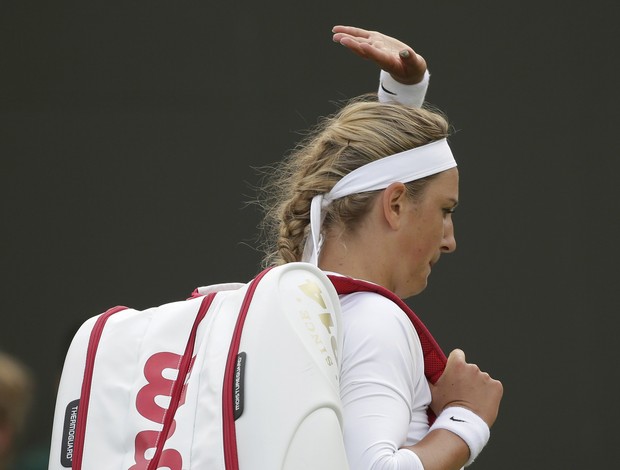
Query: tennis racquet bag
[[239, 376]]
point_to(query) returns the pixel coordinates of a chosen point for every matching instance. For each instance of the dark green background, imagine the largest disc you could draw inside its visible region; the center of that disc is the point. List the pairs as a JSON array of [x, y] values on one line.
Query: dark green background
[[130, 132]]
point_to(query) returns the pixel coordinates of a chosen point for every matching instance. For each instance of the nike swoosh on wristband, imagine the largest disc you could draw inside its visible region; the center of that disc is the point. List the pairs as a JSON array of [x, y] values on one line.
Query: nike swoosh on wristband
[[387, 91], [452, 418]]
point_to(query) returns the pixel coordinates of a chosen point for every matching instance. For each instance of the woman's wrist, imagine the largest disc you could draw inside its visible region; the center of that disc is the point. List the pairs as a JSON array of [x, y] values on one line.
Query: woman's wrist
[[467, 425], [409, 95]]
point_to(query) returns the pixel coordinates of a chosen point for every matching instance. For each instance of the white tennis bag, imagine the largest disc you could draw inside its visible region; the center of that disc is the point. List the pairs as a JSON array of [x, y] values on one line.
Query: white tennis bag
[[240, 376]]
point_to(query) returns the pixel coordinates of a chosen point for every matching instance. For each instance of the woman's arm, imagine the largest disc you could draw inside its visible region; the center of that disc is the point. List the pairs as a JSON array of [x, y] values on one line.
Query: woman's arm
[[381, 389], [380, 394], [462, 385], [382, 385]]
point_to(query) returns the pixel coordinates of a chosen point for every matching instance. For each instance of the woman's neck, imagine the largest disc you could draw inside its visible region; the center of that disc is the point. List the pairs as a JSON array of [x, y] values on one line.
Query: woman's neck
[[358, 257]]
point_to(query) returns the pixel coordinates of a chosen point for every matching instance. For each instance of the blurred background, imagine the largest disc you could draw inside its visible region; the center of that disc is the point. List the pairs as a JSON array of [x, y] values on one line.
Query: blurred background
[[130, 135]]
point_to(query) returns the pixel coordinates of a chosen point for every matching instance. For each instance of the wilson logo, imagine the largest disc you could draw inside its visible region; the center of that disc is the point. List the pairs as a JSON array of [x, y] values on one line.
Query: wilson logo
[[158, 386]]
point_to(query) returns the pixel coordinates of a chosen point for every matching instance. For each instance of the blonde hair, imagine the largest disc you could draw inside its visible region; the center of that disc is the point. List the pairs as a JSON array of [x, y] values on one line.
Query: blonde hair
[[361, 132]]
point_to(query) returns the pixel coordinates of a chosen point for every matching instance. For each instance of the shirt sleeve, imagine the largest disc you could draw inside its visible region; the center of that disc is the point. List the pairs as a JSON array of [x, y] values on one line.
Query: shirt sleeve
[[378, 379], [409, 95]]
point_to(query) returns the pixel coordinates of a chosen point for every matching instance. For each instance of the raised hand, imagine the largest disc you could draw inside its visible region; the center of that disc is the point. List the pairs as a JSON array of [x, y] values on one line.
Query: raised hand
[[390, 54]]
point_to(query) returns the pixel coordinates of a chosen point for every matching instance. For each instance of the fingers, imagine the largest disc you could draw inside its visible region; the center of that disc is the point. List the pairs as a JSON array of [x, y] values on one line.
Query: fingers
[[465, 385], [352, 31], [458, 363], [353, 42], [362, 36], [373, 48], [356, 45], [410, 57], [456, 355], [390, 54]]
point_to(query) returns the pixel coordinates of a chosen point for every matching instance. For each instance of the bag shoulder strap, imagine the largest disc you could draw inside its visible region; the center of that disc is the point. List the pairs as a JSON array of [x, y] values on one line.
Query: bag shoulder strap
[[93, 344], [434, 358], [231, 457]]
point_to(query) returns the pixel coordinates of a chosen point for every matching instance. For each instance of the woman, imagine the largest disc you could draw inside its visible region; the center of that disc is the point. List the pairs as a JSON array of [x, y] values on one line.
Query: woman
[[370, 195]]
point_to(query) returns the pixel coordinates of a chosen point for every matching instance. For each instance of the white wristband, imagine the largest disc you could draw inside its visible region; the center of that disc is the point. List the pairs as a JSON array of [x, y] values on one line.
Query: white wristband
[[467, 425], [409, 95]]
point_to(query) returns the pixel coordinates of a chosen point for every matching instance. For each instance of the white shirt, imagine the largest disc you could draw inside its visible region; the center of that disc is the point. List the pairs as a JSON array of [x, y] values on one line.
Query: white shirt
[[383, 388]]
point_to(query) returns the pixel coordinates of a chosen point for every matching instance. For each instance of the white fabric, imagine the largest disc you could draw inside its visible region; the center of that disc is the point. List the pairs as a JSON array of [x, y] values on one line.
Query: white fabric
[[410, 95], [403, 167], [467, 425], [382, 385]]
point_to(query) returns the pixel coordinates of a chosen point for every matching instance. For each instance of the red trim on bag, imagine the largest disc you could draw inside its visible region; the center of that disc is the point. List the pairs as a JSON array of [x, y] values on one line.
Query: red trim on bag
[[434, 358], [179, 383], [231, 457], [80, 426]]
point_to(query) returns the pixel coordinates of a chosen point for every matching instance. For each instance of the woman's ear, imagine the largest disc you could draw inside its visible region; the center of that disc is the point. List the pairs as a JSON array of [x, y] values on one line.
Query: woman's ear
[[393, 203]]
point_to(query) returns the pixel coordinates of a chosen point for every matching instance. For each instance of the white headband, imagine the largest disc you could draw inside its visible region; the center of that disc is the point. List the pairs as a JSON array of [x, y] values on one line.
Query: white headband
[[402, 167]]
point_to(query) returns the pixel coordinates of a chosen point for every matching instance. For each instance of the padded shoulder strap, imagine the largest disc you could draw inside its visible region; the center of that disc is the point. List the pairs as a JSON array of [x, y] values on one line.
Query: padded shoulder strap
[[231, 456], [434, 358], [93, 344]]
